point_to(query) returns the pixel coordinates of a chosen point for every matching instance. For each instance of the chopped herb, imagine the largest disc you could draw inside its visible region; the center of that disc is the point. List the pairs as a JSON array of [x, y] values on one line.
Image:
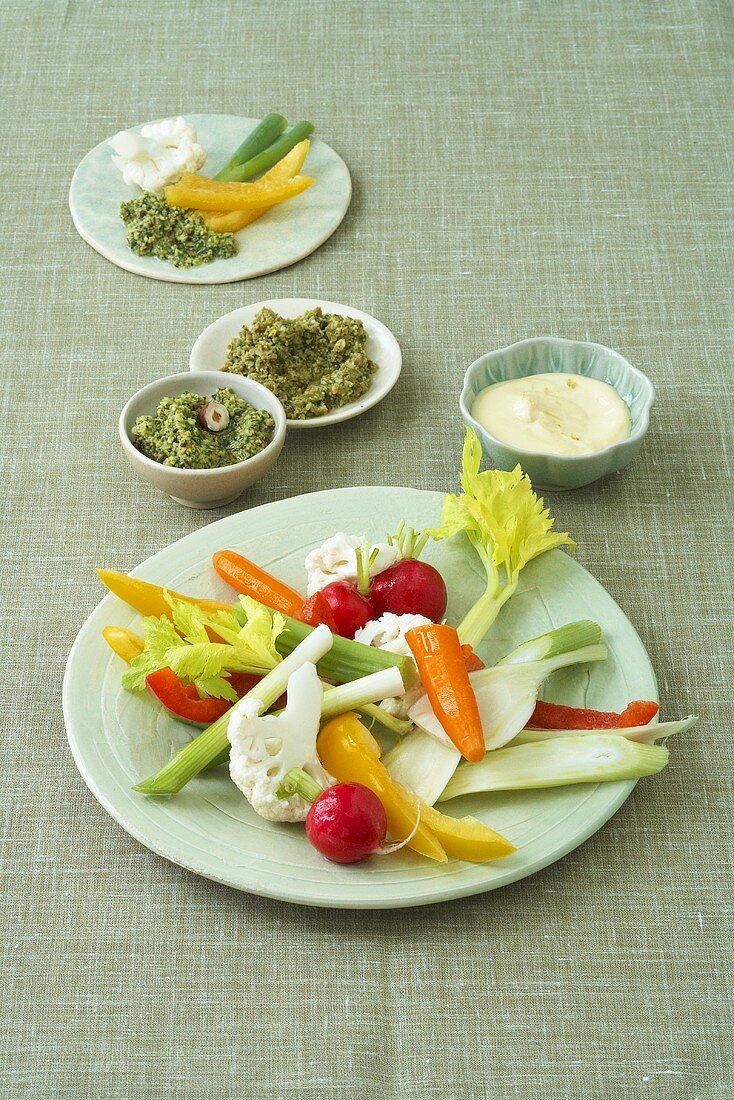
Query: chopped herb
[[155, 228], [313, 363]]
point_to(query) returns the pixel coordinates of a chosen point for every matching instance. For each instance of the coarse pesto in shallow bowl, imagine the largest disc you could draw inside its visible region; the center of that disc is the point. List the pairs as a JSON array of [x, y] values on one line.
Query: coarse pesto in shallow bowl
[[549, 354], [153, 443]]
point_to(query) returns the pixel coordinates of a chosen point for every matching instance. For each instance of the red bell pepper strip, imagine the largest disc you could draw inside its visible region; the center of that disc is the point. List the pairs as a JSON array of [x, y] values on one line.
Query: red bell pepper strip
[[253, 581], [317, 612], [442, 669], [551, 716], [472, 662], [182, 700]]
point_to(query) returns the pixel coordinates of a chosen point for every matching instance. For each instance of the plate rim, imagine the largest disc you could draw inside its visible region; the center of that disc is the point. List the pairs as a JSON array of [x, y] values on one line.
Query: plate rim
[[183, 275], [346, 412], [433, 892]]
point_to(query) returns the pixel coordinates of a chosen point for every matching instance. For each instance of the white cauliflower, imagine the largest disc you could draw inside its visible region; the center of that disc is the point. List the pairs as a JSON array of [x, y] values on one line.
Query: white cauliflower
[[388, 632], [158, 155], [336, 560], [266, 747]]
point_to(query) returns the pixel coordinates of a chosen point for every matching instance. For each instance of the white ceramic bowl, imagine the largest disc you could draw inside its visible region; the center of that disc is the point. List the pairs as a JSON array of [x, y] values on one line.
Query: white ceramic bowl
[[210, 350], [202, 488]]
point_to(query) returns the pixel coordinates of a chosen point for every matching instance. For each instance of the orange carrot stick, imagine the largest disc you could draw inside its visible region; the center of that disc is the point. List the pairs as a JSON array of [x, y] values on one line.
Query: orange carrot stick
[[442, 668], [249, 578]]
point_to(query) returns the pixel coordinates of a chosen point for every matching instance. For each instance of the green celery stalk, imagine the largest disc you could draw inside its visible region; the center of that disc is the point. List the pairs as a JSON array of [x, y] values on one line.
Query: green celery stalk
[[564, 639], [346, 660], [603, 758], [211, 743]]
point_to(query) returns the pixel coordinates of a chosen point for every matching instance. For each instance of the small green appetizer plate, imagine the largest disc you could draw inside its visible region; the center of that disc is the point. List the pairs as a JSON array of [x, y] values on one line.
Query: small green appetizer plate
[[118, 738], [546, 354], [279, 238]]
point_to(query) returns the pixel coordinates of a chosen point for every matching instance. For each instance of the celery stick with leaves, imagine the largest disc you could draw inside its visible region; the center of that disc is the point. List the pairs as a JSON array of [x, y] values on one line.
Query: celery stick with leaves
[[184, 645], [506, 524]]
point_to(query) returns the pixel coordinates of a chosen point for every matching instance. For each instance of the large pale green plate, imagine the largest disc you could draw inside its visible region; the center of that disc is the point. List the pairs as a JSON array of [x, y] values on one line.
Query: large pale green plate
[[117, 738], [284, 235]]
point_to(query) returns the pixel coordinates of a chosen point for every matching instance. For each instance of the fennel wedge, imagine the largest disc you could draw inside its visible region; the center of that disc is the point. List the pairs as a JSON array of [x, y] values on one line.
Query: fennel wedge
[[506, 695], [602, 758], [425, 762]]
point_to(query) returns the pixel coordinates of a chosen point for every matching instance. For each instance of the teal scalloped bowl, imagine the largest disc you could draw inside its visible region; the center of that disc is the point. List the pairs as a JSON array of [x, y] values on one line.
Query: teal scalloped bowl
[[542, 355]]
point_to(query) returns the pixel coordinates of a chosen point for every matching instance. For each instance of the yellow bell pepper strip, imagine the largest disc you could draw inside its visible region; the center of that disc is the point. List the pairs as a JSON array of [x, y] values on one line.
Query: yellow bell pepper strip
[[442, 668], [231, 221], [466, 837], [124, 643], [148, 599], [350, 753], [199, 193]]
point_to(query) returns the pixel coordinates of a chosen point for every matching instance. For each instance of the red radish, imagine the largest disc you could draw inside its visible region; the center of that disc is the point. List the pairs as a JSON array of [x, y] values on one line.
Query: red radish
[[347, 823], [410, 587], [351, 611]]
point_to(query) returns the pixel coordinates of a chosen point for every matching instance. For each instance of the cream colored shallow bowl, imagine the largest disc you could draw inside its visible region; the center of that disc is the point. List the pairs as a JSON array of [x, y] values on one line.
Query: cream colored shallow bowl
[[210, 350], [202, 488], [548, 354]]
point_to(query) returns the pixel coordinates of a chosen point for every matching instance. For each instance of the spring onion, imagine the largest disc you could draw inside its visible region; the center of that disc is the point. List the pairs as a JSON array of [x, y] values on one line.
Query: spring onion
[[263, 136], [385, 684], [270, 156]]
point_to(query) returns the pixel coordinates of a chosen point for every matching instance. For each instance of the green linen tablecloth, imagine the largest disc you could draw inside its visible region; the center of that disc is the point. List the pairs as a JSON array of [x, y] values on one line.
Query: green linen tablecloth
[[519, 168]]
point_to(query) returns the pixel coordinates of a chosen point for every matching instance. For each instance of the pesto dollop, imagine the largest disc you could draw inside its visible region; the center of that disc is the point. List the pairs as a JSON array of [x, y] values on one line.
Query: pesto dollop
[[155, 228], [313, 363], [174, 437]]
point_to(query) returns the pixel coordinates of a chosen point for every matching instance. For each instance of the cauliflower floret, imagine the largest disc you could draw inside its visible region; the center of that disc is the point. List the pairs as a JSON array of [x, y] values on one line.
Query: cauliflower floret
[[336, 560], [388, 632], [266, 747], [158, 155]]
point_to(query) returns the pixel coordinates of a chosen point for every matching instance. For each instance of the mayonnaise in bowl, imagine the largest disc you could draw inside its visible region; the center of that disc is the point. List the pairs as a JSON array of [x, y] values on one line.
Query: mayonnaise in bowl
[[556, 414]]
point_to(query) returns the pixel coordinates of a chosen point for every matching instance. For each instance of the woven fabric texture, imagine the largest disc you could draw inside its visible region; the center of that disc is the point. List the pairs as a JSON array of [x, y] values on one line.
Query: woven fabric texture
[[520, 168]]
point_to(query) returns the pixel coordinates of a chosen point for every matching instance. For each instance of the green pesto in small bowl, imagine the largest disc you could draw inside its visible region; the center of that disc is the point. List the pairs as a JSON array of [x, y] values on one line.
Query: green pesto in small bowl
[[191, 432]]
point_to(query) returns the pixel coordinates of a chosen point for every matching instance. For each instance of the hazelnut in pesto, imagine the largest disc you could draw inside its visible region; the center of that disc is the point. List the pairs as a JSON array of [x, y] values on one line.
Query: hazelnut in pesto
[[313, 363], [194, 432]]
